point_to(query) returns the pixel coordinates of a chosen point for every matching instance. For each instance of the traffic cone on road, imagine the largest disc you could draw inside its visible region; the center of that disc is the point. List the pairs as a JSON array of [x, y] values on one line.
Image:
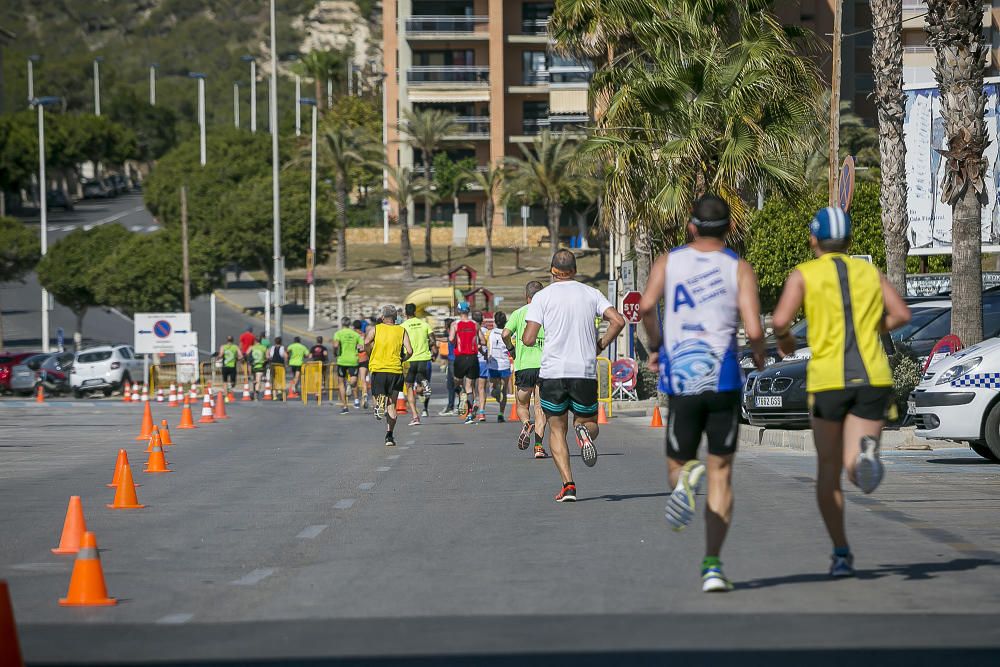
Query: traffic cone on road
[[156, 461], [159, 395], [229, 395], [154, 439], [206, 411], [144, 397], [657, 421], [40, 394], [401, 404], [127, 393], [10, 649], [193, 393], [220, 409], [147, 424], [135, 393], [172, 396], [165, 438], [125, 498], [187, 419], [268, 395], [602, 416], [86, 585], [512, 417], [246, 392], [74, 526], [119, 462]]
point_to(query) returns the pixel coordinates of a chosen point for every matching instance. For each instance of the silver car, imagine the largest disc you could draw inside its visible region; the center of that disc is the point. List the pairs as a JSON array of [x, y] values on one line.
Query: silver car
[[104, 369], [52, 369]]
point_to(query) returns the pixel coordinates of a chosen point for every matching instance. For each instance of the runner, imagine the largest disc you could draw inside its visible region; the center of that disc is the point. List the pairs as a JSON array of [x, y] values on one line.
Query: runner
[[247, 339], [706, 289], [453, 385], [361, 400], [258, 361], [297, 353], [230, 356], [318, 352], [848, 305], [527, 361], [387, 345], [346, 343], [568, 374], [418, 374], [484, 366], [464, 335], [498, 362]]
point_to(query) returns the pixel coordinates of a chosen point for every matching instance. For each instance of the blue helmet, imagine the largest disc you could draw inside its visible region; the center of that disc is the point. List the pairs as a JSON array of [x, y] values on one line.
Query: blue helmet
[[463, 307], [830, 223]]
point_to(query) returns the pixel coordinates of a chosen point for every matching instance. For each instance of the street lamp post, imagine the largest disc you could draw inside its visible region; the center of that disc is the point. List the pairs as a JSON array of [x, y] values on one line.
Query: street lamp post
[[32, 59], [236, 104], [311, 257], [152, 84], [201, 111], [97, 85], [253, 91], [40, 104], [298, 106], [279, 297]]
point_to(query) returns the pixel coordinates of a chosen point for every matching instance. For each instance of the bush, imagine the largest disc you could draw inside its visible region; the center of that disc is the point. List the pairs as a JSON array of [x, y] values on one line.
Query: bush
[[906, 374]]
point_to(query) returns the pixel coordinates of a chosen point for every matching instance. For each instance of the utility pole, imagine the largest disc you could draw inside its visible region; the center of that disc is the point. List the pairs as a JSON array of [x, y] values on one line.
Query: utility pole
[[186, 270], [838, 17], [279, 263]]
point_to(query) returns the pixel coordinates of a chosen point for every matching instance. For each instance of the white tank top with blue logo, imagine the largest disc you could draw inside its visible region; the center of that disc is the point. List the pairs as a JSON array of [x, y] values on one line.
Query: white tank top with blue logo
[[700, 320]]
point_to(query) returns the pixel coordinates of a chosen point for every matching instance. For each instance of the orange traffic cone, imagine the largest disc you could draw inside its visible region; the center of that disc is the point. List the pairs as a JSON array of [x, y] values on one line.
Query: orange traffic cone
[[147, 424], [229, 395], [40, 395], [127, 393], [154, 440], [73, 528], [246, 392], [220, 409], [119, 462], [135, 393], [10, 649], [159, 395], [165, 438], [172, 396], [401, 404], [125, 498], [268, 394], [193, 393], [512, 417], [206, 411], [187, 419], [657, 421], [156, 462], [602, 416], [144, 397], [86, 585]]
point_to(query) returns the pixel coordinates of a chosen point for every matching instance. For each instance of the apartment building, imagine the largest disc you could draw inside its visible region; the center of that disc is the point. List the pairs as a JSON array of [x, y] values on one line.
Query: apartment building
[[489, 62]]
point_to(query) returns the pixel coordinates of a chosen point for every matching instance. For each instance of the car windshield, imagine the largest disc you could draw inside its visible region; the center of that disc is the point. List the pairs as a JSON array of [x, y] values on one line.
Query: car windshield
[[93, 357], [800, 330], [52, 362], [35, 362], [919, 318]]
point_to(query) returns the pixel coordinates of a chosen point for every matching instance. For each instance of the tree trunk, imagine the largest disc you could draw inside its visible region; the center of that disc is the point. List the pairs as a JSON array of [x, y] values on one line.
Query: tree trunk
[[581, 228], [488, 228], [318, 82], [887, 64], [341, 224], [428, 253], [78, 334], [406, 251], [966, 270], [554, 210]]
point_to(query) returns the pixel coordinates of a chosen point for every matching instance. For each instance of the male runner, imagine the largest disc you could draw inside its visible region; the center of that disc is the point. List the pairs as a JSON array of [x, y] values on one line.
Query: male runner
[[318, 352], [417, 375], [484, 366], [258, 361], [297, 353], [566, 310], [452, 384], [345, 347], [706, 289], [498, 362], [361, 400], [387, 345], [848, 305], [247, 339], [464, 335], [230, 355], [527, 361]]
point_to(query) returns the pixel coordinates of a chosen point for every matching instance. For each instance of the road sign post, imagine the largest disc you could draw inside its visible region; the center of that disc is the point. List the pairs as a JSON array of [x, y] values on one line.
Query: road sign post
[[157, 332]]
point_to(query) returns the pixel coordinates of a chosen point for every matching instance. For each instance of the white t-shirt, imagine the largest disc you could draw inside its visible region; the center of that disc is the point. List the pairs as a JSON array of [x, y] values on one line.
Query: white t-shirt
[[566, 310], [499, 358]]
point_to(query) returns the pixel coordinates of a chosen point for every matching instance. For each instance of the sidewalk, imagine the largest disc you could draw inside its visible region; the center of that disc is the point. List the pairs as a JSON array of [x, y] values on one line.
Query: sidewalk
[[242, 296]]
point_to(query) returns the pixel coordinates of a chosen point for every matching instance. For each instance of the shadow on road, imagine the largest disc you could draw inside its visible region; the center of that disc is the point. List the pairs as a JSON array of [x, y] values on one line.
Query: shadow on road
[[970, 461], [615, 497], [909, 571]]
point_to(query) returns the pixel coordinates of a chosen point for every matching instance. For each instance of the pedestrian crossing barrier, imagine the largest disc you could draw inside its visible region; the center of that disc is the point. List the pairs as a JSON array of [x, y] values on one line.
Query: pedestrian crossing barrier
[[312, 381], [604, 384], [279, 382]]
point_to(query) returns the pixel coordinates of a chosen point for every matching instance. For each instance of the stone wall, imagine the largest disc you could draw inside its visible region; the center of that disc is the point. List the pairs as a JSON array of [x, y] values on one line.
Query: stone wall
[[503, 237]]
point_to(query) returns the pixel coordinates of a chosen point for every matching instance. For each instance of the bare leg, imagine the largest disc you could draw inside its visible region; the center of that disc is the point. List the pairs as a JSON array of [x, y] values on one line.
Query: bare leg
[[828, 436], [719, 509], [390, 414], [481, 394], [590, 421], [557, 443], [470, 394], [856, 428], [503, 397], [674, 472], [539, 416], [411, 400], [523, 400]]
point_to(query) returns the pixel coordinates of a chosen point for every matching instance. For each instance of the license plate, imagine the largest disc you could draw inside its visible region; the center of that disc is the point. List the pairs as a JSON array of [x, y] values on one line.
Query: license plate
[[87, 383], [767, 401], [911, 407]]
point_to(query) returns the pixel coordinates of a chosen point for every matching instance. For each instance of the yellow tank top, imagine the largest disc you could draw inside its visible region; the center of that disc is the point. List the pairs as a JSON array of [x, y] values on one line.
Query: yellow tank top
[[844, 307], [387, 349]]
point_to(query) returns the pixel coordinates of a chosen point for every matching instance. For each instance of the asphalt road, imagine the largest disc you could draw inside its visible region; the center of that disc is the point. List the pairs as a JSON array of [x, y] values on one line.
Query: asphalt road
[[291, 535]]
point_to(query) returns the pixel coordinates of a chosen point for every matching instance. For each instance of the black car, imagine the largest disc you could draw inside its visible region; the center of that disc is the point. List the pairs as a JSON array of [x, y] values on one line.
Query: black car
[[776, 396]]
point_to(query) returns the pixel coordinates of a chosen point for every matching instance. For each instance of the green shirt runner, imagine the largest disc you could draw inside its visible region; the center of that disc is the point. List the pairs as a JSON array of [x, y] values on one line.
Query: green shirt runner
[[525, 358], [419, 331], [348, 340], [230, 353], [258, 356], [297, 354]]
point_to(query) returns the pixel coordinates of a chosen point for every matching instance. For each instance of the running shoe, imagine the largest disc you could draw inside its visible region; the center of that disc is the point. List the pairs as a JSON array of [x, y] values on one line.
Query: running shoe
[[524, 437], [868, 471], [344, 410], [470, 418], [426, 386], [415, 421], [567, 494], [364, 403], [481, 417], [842, 566], [423, 413], [447, 412], [681, 504], [389, 440], [714, 581], [500, 419], [357, 403], [379, 408], [587, 448], [540, 452]]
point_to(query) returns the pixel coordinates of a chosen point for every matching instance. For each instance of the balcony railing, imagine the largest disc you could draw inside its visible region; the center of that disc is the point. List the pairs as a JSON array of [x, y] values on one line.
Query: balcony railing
[[472, 126], [459, 75], [444, 25], [574, 74], [535, 26], [535, 77], [555, 123]]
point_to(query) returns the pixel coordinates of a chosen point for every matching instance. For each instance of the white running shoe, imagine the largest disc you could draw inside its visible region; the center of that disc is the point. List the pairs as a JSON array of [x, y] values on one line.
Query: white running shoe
[[842, 566], [415, 421], [868, 471], [681, 503], [714, 581]]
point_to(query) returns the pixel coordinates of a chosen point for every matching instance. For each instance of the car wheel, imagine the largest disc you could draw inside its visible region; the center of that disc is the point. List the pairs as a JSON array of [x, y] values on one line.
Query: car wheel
[[77, 393], [106, 392], [979, 447], [992, 432]]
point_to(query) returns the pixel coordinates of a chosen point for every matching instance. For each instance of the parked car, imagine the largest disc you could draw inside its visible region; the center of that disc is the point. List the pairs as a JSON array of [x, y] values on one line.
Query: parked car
[[98, 189], [51, 370], [959, 399], [7, 363], [104, 369], [59, 199], [776, 396], [118, 182]]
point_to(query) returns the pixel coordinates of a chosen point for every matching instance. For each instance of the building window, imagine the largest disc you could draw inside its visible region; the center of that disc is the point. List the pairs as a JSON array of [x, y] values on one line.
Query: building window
[[535, 17], [441, 8], [535, 68], [456, 58]]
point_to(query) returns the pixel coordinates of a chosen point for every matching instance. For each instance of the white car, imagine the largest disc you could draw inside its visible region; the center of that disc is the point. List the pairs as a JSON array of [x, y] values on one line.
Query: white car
[[104, 369], [959, 399]]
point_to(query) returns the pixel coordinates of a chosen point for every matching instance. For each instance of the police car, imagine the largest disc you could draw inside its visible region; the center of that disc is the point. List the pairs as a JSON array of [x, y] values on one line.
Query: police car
[[959, 399]]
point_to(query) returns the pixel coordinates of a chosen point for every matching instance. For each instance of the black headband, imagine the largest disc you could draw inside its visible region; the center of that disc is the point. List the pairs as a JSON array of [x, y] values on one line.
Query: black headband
[[709, 223]]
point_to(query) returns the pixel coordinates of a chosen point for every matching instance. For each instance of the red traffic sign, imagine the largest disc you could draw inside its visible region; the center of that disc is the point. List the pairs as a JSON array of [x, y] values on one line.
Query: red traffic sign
[[630, 307], [845, 190]]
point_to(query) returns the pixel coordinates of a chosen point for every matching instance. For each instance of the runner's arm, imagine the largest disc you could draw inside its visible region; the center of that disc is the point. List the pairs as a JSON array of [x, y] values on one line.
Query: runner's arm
[[784, 313], [530, 334], [647, 305], [508, 339], [749, 302], [407, 347], [370, 340], [897, 313], [615, 325], [452, 331]]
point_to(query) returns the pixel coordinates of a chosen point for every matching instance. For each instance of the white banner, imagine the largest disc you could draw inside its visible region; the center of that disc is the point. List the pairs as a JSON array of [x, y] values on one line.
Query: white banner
[[186, 356]]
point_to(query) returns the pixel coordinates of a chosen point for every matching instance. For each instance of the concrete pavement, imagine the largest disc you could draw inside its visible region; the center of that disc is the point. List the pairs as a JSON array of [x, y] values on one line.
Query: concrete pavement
[[291, 535]]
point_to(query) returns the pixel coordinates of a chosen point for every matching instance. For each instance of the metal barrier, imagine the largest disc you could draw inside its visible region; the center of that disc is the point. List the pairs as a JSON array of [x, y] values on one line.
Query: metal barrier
[[162, 376], [312, 381], [604, 385], [332, 381], [279, 384]]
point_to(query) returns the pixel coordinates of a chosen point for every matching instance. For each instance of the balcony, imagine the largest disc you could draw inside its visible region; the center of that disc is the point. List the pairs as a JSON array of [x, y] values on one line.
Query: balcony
[[448, 76], [572, 76], [470, 127], [535, 77], [535, 26], [556, 123], [447, 27]]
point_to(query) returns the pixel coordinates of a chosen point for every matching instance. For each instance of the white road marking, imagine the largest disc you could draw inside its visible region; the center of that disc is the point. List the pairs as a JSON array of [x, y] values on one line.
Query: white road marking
[[39, 567], [310, 532], [254, 577], [393, 457], [411, 442], [404, 447], [383, 469], [152, 228], [344, 504], [366, 486], [135, 228], [175, 619], [118, 216]]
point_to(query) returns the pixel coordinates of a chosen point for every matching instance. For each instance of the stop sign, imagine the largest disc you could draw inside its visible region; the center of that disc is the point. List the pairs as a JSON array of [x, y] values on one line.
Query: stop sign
[[630, 307]]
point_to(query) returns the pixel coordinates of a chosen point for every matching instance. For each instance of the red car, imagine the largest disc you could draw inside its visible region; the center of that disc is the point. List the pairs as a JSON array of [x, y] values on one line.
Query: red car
[[7, 362]]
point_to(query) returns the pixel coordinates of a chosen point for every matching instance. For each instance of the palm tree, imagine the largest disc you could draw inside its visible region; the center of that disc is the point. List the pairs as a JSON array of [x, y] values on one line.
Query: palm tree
[[402, 188], [491, 182], [339, 149], [887, 65], [547, 172], [322, 65], [426, 131]]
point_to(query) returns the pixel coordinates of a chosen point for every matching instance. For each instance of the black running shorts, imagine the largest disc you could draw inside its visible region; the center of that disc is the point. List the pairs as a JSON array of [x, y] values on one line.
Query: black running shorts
[[562, 394], [387, 384], [865, 402], [527, 379], [347, 371], [229, 374], [417, 373], [714, 414], [466, 366]]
